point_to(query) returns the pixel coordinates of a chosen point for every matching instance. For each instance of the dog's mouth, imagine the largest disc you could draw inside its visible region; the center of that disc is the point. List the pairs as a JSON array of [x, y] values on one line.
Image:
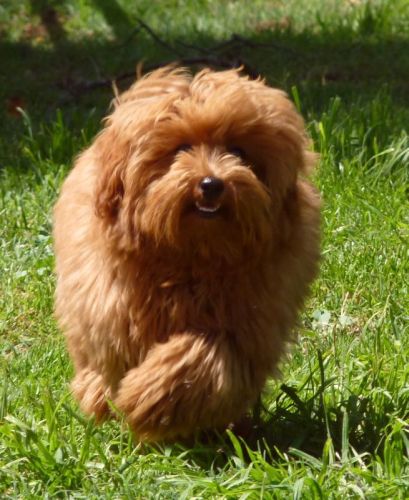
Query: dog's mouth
[[208, 211]]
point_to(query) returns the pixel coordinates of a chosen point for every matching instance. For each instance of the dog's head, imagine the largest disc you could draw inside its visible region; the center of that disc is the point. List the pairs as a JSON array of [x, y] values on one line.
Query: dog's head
[[200, 163]]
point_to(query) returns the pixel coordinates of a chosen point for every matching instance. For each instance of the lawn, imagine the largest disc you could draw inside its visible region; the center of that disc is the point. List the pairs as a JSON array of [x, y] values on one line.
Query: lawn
[[337, 421]]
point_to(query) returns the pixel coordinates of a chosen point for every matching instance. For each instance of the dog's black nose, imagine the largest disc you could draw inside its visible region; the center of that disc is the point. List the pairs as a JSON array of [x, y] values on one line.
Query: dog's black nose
[[212, 187]]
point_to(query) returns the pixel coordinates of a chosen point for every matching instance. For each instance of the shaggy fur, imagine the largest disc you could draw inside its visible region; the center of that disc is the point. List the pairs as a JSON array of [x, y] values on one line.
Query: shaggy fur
[[177, 307]]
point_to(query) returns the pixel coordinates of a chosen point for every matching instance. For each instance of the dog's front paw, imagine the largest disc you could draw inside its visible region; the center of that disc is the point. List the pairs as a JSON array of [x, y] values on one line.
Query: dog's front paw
[[182, 385], [154, 408]]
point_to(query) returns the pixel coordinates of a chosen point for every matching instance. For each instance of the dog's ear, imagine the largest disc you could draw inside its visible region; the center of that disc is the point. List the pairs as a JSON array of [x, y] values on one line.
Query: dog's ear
[[112, 159], [287, 129]]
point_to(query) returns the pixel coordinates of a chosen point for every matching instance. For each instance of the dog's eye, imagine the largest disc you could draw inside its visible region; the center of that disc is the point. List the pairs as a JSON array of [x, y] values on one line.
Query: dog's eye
[[182, 148], [236, 151]]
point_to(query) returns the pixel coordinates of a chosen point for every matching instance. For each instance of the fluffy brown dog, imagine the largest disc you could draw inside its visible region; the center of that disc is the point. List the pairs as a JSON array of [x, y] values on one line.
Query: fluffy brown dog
[[185, 239]]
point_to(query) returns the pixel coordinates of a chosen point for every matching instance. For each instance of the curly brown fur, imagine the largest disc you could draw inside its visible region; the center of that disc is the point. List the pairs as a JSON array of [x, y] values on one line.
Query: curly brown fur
[[176, 305]]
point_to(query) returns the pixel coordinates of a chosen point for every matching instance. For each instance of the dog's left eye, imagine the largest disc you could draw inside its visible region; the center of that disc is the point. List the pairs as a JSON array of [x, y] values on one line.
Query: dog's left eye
[[182, 148]]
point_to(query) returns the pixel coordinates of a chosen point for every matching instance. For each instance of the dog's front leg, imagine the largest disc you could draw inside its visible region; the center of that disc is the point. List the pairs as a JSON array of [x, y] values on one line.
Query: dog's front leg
[[190, 382]]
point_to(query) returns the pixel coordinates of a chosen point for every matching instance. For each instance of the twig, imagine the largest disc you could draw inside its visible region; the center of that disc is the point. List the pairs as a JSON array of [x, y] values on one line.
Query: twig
[[83, 86], [157, 38], [238, 40], [210, 57], [133, 33]]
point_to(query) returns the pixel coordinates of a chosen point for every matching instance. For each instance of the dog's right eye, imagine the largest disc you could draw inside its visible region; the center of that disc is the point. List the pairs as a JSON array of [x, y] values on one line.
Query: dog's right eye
[[236, 151], [183, 148]]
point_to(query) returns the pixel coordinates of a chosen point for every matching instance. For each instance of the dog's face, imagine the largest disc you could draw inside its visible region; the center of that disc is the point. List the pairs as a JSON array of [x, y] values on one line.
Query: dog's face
[[202, 165]]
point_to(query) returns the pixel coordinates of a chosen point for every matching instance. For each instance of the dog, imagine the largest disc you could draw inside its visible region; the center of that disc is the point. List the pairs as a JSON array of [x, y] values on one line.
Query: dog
[[186, 238]]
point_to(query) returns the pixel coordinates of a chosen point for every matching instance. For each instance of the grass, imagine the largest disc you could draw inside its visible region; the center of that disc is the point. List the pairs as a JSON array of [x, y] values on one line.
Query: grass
[[336, 424]]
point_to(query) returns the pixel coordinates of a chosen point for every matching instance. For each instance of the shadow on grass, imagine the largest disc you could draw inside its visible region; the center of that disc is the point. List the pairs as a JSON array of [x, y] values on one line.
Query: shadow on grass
[[286, 430], [43, 77], [306, 425]]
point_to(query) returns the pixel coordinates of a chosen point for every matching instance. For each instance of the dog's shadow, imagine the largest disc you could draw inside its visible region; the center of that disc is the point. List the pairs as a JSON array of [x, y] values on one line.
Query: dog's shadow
[[292, 426]]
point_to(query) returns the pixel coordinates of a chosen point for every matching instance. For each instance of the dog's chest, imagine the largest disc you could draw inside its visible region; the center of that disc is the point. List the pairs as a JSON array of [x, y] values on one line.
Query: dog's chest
[[216, 305]]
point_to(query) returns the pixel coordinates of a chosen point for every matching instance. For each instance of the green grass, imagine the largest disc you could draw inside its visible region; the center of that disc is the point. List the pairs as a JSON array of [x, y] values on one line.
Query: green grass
[[336, 424]]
